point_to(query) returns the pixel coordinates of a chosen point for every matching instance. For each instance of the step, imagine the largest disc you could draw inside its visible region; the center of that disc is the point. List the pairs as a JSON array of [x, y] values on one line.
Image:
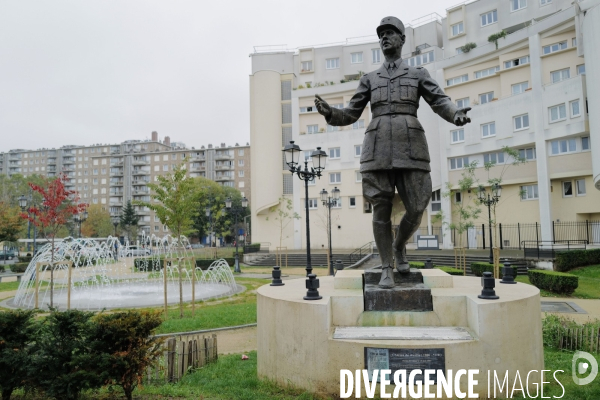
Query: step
[[401, 333]]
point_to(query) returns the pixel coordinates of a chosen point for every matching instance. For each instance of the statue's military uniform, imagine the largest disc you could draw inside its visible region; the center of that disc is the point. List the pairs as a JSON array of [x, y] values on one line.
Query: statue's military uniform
[[395, 155]]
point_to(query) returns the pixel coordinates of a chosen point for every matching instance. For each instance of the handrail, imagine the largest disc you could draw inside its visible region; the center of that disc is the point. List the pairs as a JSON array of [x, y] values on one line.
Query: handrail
[[549, 249], [361, 251]]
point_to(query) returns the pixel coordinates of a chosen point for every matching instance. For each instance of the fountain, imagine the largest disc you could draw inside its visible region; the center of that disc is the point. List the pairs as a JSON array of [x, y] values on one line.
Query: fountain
[[100, 280]]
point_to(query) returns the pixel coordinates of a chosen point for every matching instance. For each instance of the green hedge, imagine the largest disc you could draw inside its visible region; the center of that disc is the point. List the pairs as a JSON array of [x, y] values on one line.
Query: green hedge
[[478, 268], [567, 260], [451, 270], [252, 248], [19, 267], [552, 281], [25, 258], [156, 264]]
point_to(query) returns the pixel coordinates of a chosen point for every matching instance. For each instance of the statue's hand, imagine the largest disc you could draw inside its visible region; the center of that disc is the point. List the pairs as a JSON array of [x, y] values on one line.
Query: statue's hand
[[461, 118], [322, 107]]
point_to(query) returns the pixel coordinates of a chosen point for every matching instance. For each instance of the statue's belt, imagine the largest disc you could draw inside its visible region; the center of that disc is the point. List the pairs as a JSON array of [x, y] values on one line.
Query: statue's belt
[[384, 109]]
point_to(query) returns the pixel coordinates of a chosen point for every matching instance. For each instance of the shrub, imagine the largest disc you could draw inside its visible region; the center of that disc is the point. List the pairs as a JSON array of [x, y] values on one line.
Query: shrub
[[252, 248], [16, 333], [26, 258], [478, 268], [468, 47], [567, 260], [125, 346], [204, 264], [19, 267], [556, 282], [451, 270]]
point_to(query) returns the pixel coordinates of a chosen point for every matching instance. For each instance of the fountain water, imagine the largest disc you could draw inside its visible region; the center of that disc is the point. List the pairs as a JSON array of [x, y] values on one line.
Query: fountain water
[[101, 280]]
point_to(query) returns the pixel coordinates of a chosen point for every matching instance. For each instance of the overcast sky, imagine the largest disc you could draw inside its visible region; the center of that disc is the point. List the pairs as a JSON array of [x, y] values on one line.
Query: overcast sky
[[85, 72]]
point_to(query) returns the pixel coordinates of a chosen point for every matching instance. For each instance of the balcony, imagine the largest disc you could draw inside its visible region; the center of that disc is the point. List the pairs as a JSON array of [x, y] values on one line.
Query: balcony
[[140, 161], [223, 156], [222, 178], [52, 161], [115, 202], [142, 212], [119, 193], [68, 160], [140, 182], [198, 157], [223, 167], [141, 191], [68, 168], [51, 169], [116, 183], [140, 172], [199, 168], [116, 172], [14, 156]]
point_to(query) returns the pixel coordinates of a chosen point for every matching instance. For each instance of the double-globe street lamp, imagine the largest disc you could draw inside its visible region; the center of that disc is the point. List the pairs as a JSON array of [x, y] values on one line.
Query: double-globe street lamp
[[489, 200], [292, 155], [330, 201], [80, 219], [23, 204], [116, 219], [236, 211]]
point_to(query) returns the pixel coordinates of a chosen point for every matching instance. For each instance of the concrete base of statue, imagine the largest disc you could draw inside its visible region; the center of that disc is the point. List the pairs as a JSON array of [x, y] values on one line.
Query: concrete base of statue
[[307, 343]]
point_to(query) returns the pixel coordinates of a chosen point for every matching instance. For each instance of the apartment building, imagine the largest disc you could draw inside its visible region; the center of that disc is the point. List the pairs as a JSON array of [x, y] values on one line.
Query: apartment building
[[112, 174], [530, 91]]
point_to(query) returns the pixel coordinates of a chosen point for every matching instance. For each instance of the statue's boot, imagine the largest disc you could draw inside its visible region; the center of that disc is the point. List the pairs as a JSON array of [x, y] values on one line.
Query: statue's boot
[[382, 231], [404, 231]]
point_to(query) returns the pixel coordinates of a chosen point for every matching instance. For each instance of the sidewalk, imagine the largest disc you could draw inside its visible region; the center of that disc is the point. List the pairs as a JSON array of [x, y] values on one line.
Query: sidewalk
[[590, 308]]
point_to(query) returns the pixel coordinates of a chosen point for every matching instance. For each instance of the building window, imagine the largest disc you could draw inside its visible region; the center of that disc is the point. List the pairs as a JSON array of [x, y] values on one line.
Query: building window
[[240, 184], [486, 97], [553, 48], [306, 109], [521, 122], [334, 153], [574, 107], [356, 58], [519, 88], [358, 176], [457, 80], [488, 130], [457, 136], [306, 66], [516, 61], [335, 177], [421, 59], [560, 75], [545, 2], [457, 29], [527, 154], [557, 113], [312, 129], [240, 163], [241, 152], [580, 187], [312, 204], [459, 50], [357, 150], [367, 207], [376, 56], [459, 163], [436, 200], [580, 69], [457, 197], [574, 42], [307, 154], [332, 63], [529, 192], [563, 146], [494, 158], [352, 202], [331, 128], [489, 18], [486, 72], [567, 189], [516, 5], [241, 173], [585, 143], [358, 124], [462, 103], [337, 203], [166, 167]]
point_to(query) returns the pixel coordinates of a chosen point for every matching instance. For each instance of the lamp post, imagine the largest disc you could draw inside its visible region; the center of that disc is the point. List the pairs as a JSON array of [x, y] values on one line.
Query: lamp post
[[236, 211], [115, 221], [80, 219], [23, 204], [292, 154], [209, 215], [490, 200], [330, 201]]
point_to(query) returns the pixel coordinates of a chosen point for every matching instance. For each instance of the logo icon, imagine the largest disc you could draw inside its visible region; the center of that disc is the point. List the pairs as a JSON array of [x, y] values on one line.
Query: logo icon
[[584, 367]]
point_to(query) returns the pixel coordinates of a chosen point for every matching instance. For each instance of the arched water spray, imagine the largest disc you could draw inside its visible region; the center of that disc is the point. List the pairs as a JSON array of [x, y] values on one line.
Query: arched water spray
[[99, 279]]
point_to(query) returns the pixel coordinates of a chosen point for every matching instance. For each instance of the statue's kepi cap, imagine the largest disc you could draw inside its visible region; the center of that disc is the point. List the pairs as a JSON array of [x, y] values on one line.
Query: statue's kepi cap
[[390, 22]]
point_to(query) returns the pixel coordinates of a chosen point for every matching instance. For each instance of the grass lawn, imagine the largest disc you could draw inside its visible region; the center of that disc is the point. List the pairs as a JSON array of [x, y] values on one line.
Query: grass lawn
[[8, 286], [589, 283]]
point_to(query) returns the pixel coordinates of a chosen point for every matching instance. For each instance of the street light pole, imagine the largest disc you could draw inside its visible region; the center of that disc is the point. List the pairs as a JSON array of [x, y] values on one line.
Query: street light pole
[[236, 211], [292, 154], [489, 202], [23, 204], [115, 220], [330, 201]]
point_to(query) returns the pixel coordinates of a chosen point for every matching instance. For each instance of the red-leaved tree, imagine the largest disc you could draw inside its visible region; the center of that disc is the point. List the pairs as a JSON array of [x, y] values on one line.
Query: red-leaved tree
[[57, 208]]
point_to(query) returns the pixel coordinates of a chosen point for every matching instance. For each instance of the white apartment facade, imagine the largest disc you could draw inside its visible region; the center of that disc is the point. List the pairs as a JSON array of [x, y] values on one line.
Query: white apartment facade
[[112, 174], [532, 93]]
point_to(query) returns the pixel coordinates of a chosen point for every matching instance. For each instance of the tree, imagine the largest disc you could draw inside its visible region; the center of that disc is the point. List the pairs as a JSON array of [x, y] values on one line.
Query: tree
[[177, 197], [16, 333], [125, 345], [210, 195], [284, 215], [98, 223], [129, 220], [57, 209], [11, 223]]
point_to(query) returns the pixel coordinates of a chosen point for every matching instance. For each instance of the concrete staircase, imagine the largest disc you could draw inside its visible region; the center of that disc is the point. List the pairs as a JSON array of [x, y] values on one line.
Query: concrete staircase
[[299, 260]]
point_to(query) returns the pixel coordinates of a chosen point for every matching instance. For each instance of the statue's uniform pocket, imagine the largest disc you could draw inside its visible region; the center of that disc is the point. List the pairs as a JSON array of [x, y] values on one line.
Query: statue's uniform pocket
[[417, 139], [409, 88], [379, 91], [368, 150]]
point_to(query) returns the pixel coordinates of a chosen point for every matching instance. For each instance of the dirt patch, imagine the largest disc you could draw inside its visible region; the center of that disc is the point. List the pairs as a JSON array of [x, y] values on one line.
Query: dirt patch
[[236, 340]]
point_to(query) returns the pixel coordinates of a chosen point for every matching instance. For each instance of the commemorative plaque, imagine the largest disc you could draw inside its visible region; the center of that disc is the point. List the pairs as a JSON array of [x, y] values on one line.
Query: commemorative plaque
[[405, 359]]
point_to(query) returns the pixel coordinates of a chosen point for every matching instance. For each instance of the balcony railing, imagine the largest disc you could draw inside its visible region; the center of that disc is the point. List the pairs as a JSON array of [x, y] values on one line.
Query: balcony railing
[[140, 172], [221, 178], [223, 167], [222, 156], [140, 162]]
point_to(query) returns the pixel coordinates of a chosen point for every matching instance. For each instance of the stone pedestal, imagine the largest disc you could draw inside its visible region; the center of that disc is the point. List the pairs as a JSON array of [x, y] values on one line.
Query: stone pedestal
[[409, 294]]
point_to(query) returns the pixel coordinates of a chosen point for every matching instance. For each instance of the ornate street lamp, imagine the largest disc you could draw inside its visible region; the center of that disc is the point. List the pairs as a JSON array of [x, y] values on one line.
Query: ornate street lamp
[[490, 200], [23, 201], [292, 154], [116, 219], [236, 211], [330, 201], [80, 219]]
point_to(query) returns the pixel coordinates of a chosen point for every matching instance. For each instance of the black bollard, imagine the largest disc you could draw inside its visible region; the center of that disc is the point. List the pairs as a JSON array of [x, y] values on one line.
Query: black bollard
[[488, 282], [276, 274], [507, 274], [428, 264], [339, 265], [312, 284]]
